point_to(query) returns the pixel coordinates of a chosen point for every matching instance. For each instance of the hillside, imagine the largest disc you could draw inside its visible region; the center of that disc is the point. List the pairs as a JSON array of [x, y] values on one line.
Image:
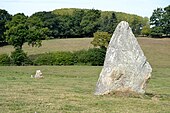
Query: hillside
[[121, 16], [156, 50], [71, 44]]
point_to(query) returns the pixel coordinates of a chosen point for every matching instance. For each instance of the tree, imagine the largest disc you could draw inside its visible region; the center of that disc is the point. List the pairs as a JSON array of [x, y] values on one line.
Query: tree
[[17, 30], [108, 23], [36, 31], [101, 39], [146, 30], [47, 20], [77, 17], [4, 17], [166, 20], [21, 31], [156, 20], [136, 25], [90, 22]]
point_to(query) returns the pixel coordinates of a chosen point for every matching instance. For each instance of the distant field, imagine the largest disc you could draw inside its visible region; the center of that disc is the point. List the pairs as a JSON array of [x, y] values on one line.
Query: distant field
[[72, 44], [157, 51], [69, 89]]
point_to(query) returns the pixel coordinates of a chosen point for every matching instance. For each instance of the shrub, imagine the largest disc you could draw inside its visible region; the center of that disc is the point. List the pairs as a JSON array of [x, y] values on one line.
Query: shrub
[[64, 58], [94, 57], [81, 57], [58, 58], [18, 57], [4, 60], [44, 59]]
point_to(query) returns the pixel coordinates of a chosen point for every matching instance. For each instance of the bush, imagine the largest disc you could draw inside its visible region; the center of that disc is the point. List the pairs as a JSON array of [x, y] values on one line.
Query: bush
[[18, 57], [81, 57], [4, 60], [94, 57], [44, 59], [64, 58], [58, 58]]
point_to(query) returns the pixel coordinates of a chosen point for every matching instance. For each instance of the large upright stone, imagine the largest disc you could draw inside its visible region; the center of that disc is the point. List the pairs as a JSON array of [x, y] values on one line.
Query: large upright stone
[[125, 67]]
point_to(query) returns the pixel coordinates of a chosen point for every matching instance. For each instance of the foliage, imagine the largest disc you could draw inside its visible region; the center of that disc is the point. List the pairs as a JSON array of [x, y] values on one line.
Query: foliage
[[136, 22], [16, 35], [4, 60], [17, 30], [157, 31], [76, 18], [156, 18], [101, 39], [104, 21], [4, 17], [167, 21], [21, 30], [58, 58], [156, 21], [19, 58], [46, 20], [108, 22], [90, 22], [146, 30], [64, 23], [93, 56], [160, 20]]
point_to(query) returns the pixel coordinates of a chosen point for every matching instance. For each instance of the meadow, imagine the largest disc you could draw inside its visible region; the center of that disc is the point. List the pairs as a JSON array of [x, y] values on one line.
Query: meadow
[[70, 89]]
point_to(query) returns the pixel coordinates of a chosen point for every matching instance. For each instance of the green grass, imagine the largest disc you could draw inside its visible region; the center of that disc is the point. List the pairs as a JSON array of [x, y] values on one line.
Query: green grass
[[70, 89]]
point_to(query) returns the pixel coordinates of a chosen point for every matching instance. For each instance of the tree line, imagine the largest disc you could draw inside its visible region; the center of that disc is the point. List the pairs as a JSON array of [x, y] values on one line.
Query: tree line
[[61, 23]]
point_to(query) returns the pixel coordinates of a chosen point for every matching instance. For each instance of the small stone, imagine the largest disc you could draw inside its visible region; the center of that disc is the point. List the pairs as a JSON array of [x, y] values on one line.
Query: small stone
[[38, 74], [125, 68]]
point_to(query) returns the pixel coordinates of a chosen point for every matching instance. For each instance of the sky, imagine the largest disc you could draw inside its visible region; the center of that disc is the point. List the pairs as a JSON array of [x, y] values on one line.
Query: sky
[[139, 7]]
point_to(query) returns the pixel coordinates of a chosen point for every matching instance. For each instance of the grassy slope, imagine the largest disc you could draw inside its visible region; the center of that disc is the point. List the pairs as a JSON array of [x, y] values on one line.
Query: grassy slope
[[70, 88], [53, 45]]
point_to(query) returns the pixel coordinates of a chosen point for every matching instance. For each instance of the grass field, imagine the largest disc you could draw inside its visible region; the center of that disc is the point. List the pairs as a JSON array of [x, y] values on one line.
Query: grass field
[[53, 45], [69, 89]]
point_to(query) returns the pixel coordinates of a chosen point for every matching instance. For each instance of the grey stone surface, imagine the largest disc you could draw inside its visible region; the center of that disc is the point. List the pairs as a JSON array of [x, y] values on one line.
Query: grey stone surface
[[38, 74], [125, 68]]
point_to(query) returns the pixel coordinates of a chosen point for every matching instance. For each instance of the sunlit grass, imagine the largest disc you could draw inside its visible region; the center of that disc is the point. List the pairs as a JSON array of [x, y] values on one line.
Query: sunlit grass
[[70, 44], [71, 88]]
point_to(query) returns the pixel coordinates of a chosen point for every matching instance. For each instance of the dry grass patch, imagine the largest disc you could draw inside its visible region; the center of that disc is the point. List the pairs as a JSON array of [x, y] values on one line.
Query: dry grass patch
[[70, 44]]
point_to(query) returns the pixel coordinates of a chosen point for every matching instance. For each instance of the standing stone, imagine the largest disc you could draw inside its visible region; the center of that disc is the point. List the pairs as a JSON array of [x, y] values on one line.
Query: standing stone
[[125, 67]]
